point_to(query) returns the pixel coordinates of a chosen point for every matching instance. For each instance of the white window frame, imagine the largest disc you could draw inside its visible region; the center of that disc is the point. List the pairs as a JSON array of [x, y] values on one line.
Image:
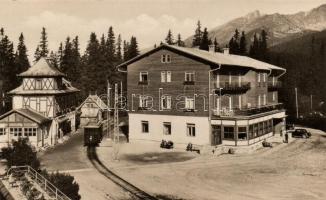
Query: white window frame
[[230, 78], [17, 132], [166, 130], [30, 132], [191, 130], [141, 77], [264, 99], [230, 103], [168, 76], [240, 101], [168, 58], [259, 101], [168, 100], [191, 76], [163, 58], [143, 101], [264, 77], [274, 96], [2, 131], [142, 126], [258, 74], [189, 103], [163, 77]]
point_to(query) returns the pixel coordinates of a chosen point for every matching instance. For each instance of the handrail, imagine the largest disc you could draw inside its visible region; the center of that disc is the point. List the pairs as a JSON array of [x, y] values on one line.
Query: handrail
[[48, 186]]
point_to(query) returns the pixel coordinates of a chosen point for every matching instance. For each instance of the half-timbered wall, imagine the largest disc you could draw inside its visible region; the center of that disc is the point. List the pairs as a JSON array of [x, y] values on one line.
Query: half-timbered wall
[[40, 84], [40, 104]]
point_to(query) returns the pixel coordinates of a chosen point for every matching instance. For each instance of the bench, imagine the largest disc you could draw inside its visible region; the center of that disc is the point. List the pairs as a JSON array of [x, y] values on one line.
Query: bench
[[192, 147]]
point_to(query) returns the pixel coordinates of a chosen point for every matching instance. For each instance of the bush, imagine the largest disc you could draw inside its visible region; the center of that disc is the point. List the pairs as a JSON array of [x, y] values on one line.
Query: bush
[[21, 153], [64, 182]]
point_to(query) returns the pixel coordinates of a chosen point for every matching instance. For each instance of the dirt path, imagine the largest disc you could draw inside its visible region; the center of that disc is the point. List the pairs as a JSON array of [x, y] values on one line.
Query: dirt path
[[289, 171]]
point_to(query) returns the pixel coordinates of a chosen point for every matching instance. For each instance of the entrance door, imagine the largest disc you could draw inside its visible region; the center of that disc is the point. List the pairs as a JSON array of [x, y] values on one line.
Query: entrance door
[[216, 135]]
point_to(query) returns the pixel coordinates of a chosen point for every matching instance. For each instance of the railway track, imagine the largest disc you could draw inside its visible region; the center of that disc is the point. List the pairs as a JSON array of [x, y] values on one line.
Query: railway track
[[134, 191]]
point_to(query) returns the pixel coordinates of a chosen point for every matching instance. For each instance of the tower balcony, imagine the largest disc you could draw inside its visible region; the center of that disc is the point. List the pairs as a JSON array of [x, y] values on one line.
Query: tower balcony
[[232, 88]]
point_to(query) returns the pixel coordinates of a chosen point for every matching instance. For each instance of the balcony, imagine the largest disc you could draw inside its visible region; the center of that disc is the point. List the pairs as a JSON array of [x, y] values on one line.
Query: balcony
[[233, 87], [274, 86], [143, 83], [189, 82], [247, 111]]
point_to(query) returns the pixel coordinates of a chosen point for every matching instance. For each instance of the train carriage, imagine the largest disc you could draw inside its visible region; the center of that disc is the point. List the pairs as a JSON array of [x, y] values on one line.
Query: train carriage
[[92, 134]]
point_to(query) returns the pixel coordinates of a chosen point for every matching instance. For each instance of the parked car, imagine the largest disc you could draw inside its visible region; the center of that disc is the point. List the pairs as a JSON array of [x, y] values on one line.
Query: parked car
[[301, 132]]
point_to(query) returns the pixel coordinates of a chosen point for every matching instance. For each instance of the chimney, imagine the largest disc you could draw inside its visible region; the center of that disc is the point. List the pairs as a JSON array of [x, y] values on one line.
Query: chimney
[[226, 51], [211, 48]]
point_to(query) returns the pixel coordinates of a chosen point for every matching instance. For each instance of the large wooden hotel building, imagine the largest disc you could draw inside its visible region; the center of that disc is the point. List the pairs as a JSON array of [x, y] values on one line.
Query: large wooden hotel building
[[188, 95]]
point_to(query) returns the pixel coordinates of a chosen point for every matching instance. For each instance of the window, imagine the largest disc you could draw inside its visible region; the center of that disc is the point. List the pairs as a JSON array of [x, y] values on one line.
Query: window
[[189, 103], [38, 84], [143, 101], [166, 58], [2, 131], [258, 77], [255, 130], [189, 76], [265, 127], [168, 76], [261, 128], [16, 131], [251, 131], [264, 99], [242, 133], [274, 96], [144, 126], [240, 77], [166, 102], [29, 132], [191, 130], [240, 101], [230, 103], [165, 76], [259, 101], [230, 78], [143, 77], [167, 128], [264, 77], [273, 80], [229, 133]]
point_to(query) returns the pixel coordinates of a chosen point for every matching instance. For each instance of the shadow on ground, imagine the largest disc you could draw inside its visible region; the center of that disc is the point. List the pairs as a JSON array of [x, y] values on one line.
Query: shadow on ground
[[157, 157]]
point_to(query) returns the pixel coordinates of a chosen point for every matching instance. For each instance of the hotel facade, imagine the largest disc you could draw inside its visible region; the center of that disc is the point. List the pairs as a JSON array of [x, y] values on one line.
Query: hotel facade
[[188, 95]]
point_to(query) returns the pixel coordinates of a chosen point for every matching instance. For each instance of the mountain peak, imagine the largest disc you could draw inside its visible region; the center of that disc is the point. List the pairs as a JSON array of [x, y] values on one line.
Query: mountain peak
[[253, 15]]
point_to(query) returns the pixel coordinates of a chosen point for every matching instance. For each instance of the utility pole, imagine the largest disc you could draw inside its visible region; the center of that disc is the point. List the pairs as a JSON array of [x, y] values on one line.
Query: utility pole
[[108, 109], [296, 101], [116, 123], [311, 102]]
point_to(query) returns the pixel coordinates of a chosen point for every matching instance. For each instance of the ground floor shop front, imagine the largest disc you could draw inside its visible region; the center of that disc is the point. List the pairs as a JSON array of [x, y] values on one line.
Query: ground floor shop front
[[182, 130]]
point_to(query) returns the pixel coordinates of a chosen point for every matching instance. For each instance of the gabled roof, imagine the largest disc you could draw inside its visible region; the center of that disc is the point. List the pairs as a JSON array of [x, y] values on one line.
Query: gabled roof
[[28, 113], [42, 68], [212, 58], [95, 99]]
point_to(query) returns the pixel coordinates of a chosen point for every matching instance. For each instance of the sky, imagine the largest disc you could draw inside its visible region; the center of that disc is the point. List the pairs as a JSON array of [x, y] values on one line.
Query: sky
[[148, 20]]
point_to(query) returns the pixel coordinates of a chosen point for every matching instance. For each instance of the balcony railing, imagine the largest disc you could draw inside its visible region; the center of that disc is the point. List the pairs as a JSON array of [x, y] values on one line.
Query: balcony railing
[[226, 112], [274, 86], [233, 87], [143, 82]]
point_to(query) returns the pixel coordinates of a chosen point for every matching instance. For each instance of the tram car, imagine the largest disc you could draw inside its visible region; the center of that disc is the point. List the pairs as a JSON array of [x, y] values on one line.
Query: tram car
[[92, 134]]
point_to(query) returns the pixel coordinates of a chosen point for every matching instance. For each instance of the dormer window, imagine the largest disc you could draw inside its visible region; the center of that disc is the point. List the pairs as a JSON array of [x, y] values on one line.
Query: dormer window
[[166, 58], [189, 78]]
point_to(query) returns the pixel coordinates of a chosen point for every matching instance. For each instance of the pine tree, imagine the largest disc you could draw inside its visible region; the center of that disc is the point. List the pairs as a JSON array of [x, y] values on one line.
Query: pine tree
[[243, 44], [169, 38], [179, 42], [217, 46], [60, 55], [234, 43], [119, 50], [125, 50], [110, 45], [254, 48], [133, 48], [198, 35], [263, 46], [54, 59], [205, 42], [42, 48], [21, 59]]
